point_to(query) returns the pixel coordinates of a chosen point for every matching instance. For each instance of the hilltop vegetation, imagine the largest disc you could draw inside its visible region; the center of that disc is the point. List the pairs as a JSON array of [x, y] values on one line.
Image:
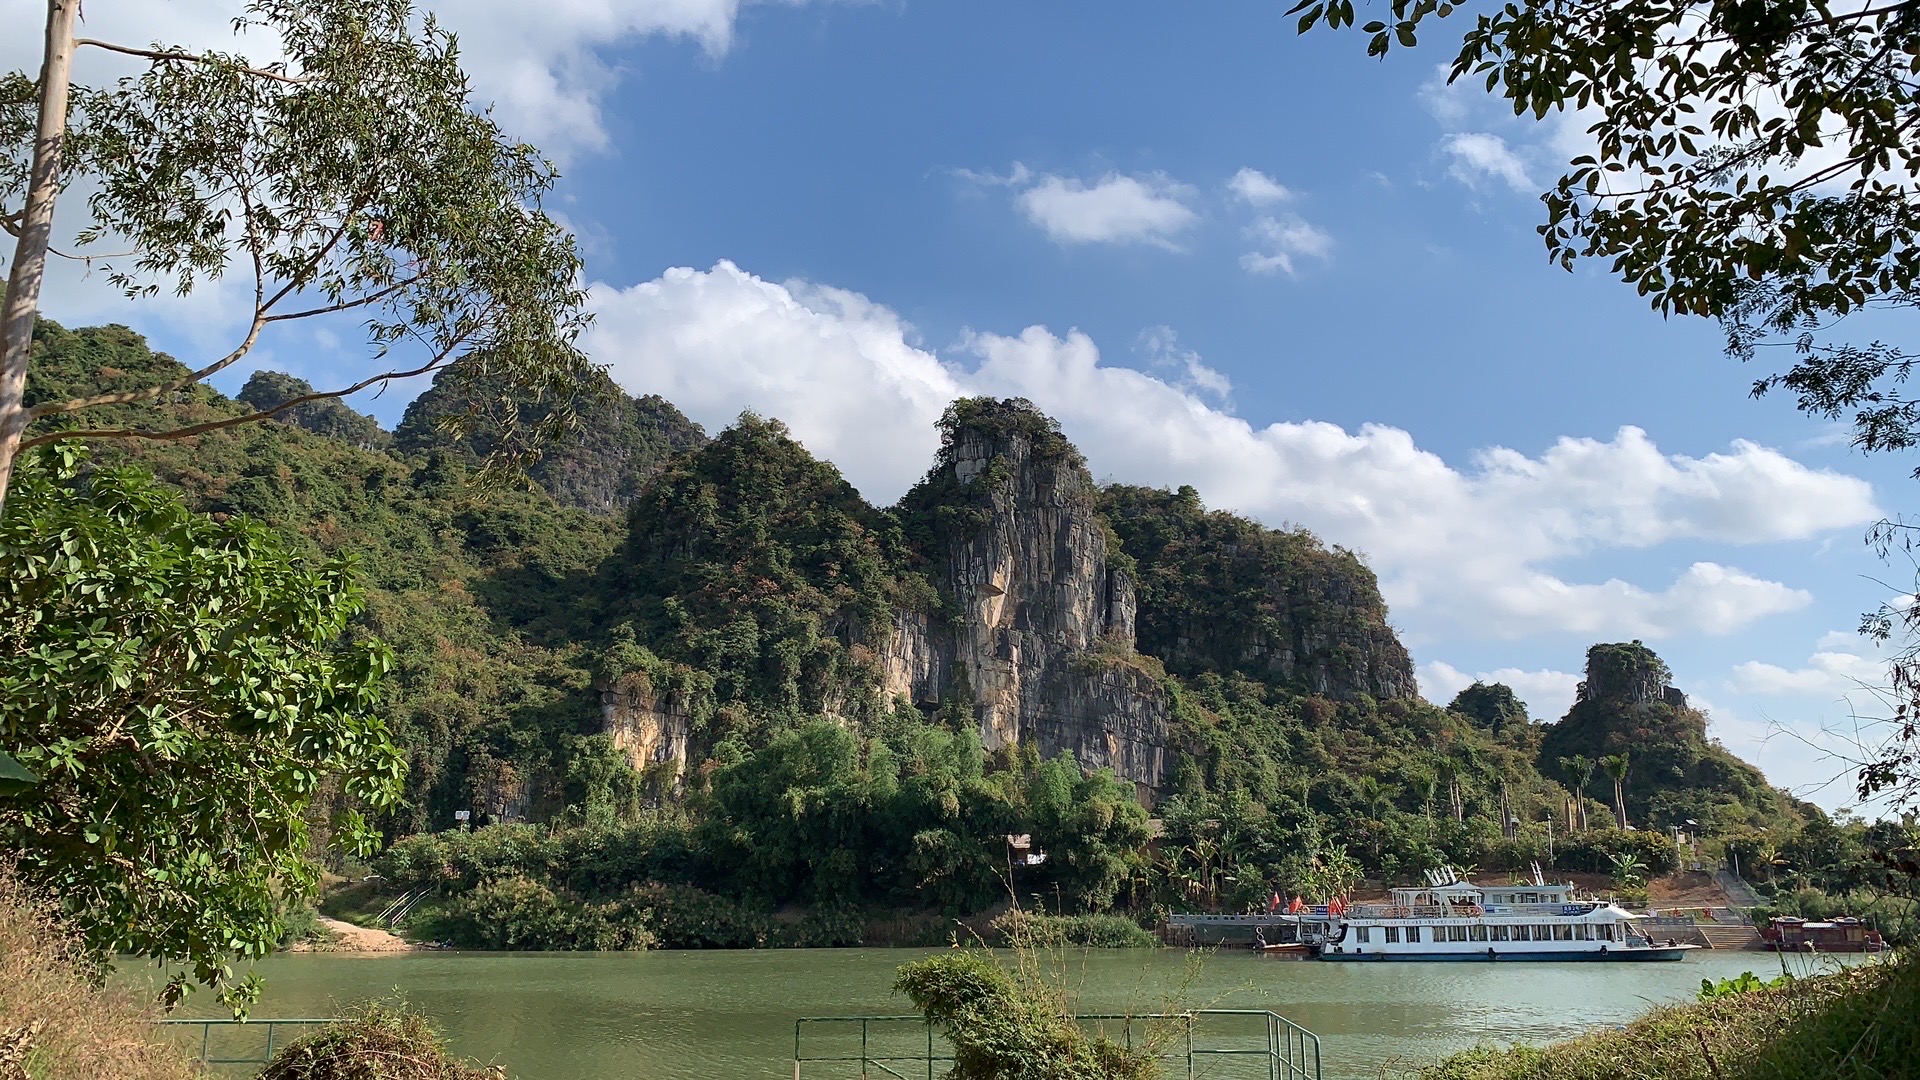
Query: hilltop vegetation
[[752, 602]]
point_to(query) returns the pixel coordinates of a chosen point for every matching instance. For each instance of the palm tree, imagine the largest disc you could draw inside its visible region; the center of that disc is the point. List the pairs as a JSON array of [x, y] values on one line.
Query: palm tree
[[1579, 769], [1616, 768]]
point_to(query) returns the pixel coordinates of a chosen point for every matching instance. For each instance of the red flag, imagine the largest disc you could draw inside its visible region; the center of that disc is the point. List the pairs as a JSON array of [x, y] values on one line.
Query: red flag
[[1297, 906], [1273, 904]]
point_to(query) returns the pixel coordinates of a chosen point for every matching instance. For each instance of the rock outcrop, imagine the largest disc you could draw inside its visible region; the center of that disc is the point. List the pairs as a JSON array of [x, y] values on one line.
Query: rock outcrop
[[652, 728], [1038, 620]]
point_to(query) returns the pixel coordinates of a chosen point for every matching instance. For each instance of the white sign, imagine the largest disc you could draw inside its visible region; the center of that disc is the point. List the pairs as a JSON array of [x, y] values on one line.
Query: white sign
[[462, 815]]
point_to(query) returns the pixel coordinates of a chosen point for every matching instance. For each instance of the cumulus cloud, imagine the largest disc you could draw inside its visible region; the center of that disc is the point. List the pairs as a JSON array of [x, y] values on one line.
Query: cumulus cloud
[[1282, 240], [1255, 187], [1547, 693], [1478, 156], [1472, 544], [1116, 209], [540, 65], [1841, 664]]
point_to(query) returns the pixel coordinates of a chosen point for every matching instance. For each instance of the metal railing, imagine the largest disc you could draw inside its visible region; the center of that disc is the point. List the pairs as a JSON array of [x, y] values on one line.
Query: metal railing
[[207, 1049], [1242, 1043]]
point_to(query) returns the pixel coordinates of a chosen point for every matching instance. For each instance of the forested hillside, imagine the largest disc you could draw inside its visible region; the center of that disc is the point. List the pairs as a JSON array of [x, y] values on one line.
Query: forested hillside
[[745, 682]]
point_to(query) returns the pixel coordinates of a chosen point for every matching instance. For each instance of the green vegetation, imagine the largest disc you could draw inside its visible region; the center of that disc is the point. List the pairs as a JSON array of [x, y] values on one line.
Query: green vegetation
[[742, 605], [379, 1042], [1010, 1026], [183, 687], [1858, 1024], [1652, 750]]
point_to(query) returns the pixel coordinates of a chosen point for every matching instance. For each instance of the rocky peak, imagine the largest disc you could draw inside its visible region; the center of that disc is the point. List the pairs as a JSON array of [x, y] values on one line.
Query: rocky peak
[[1629, 674], [1041, 605]]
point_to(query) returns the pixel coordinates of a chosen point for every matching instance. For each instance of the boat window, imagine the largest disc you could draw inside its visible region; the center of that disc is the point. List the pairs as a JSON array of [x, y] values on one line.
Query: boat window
[[1365, 933], [1477, 933], [1583, 932], [1456, 933], [1563, 933], [1413, 934], [1501, 933], [1393, 935]]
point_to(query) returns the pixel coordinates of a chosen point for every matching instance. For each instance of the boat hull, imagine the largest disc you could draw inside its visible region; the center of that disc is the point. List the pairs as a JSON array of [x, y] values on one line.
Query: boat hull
[[1657, 953]]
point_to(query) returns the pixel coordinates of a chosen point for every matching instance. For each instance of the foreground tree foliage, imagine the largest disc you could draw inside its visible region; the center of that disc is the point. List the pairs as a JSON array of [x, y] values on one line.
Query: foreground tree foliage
[[183, 688], [348, 178], [1750, 162]]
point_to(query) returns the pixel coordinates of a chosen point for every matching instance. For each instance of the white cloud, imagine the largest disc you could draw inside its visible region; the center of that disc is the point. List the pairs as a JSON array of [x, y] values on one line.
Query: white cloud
[[1842, 664], [1116, 209], [1478, 156], [1162, 347], [1259, 189], [1471, 544], [540, 64], [1548, 694], [1282, 240]]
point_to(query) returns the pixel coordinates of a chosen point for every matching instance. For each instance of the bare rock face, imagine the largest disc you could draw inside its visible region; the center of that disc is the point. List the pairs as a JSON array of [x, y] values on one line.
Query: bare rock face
[[1038, 631], [648, 726]]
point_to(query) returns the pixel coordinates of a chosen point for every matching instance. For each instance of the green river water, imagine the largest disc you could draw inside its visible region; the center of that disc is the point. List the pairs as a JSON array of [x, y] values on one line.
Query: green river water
[[686, 1015]]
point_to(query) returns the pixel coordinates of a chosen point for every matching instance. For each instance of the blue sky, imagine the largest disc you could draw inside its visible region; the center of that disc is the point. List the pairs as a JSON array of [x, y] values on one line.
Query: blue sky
[[842, 214]]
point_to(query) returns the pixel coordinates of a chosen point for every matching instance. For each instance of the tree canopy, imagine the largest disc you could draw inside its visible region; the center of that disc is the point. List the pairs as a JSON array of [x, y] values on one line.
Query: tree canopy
[[347, 177], [1748, 161], [183, 687]]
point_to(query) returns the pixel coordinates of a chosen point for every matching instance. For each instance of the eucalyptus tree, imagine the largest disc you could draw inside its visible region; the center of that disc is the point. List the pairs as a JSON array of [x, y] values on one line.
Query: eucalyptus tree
[[346, 177]]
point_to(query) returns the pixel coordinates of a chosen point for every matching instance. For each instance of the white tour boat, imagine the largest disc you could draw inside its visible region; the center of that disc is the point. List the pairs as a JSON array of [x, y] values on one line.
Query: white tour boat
[[1454, 919]]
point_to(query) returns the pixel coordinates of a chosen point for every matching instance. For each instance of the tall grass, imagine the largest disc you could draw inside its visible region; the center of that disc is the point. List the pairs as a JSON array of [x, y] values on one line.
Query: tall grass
[[57, 1020], [1858, 1024]]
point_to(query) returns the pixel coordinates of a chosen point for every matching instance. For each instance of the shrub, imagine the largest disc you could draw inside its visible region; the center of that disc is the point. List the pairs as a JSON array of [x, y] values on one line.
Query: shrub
[[381, 1043], [1007, 1029], [55, 1022], [520, 914], [1024, 928]]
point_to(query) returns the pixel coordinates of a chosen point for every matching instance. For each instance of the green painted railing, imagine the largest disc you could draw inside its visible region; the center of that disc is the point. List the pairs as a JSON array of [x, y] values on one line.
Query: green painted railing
[[1213, 1043], [207, 1049]]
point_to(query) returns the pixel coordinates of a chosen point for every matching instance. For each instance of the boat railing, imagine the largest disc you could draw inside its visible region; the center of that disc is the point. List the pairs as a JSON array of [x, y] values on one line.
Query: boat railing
[[1466, 911]]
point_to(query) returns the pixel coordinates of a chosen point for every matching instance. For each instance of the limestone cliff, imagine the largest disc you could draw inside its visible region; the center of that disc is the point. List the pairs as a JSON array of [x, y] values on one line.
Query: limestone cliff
[[1038, 614]]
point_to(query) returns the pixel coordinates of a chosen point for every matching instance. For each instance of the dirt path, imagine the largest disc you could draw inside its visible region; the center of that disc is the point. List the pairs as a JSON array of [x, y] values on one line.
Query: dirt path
[[350, 938]]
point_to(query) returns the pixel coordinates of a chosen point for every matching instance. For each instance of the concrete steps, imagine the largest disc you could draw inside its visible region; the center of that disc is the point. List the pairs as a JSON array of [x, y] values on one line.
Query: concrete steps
[[1728, 936]]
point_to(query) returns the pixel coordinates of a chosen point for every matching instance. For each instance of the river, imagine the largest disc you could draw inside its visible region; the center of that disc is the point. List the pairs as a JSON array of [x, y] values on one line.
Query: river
[[727, 1014]]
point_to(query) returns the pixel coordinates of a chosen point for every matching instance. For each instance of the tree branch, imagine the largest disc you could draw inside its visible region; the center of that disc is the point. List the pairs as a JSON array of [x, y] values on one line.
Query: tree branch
[[344, 305], [234, 421], [134, 397], [175, 55]]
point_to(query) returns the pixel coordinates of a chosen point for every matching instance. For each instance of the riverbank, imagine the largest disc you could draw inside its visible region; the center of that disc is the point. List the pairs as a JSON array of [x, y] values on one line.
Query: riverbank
[[1859, 1024], [341, 936]]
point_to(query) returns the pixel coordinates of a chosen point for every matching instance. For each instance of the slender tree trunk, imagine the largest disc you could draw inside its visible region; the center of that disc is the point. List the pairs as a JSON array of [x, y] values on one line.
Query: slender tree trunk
[[36, 233], [1620, 804]]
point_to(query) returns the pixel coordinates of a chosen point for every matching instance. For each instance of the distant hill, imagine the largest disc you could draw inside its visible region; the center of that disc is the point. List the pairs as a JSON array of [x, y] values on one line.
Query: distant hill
[[1628, 705], [618, 444], [657, 604]]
